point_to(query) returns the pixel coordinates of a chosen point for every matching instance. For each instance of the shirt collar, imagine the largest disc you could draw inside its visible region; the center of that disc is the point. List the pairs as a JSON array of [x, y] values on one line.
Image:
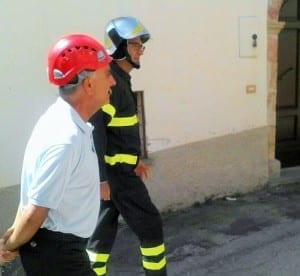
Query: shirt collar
[[81, 124]]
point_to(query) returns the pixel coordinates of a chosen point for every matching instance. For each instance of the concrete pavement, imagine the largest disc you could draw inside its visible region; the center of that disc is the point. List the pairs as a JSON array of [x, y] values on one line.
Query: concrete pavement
[[253, 234]]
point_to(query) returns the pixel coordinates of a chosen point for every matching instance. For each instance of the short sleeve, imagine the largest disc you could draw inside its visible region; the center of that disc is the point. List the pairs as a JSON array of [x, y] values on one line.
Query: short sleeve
[[52, 173]]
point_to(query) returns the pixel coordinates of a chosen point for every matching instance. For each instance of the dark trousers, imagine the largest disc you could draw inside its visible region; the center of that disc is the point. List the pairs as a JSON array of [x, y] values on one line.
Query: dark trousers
[[51, 253], [130, 198]]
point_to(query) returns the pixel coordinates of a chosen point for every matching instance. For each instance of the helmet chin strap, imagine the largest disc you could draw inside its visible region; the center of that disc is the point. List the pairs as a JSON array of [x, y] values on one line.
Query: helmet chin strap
[[135, 65], [128, 59]]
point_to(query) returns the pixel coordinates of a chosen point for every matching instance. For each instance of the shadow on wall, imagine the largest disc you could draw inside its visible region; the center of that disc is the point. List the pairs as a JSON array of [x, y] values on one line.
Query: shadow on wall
[[9, 199]]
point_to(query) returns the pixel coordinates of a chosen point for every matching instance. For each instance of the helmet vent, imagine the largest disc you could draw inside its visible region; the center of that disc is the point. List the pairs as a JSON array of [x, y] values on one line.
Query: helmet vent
[[57, 74], [86, 48]]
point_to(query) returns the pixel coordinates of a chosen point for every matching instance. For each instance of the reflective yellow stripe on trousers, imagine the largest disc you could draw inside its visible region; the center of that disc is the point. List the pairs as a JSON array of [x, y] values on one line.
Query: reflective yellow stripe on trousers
[[121, 158], [100, 271], [153, 252], [155, 266], [98, 258]]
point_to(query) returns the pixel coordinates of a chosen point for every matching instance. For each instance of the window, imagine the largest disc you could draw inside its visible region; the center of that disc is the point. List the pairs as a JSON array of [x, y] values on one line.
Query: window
[[139, 95]]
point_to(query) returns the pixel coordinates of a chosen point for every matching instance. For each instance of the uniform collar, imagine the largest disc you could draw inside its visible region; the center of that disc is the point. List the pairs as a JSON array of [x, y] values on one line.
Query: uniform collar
[[117, 69]]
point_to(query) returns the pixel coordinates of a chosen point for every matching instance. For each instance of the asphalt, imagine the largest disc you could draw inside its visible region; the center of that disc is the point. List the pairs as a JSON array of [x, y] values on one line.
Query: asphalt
[[226, 236]]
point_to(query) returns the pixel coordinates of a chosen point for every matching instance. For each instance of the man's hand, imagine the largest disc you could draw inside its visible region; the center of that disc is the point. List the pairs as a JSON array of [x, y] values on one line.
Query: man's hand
[[6, 255], [105, 190], [141, 170]]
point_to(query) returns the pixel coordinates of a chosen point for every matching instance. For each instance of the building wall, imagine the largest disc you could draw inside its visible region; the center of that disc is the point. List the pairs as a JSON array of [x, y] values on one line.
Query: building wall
[[196, 86], [193, 173], [207, 137]]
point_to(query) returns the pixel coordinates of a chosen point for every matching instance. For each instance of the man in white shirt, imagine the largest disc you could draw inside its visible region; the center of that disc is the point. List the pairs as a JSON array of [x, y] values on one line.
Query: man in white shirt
[[59, 200]]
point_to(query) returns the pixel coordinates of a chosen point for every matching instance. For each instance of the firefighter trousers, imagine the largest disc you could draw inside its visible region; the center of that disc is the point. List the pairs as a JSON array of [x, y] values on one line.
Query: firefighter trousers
[[130, 198]]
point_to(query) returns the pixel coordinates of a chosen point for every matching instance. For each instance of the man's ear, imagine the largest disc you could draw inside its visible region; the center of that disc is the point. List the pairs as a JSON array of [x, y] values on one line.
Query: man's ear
[[87, 84]]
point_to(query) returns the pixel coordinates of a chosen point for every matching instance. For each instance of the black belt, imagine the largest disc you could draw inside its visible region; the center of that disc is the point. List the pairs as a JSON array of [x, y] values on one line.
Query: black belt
[[46, 234]]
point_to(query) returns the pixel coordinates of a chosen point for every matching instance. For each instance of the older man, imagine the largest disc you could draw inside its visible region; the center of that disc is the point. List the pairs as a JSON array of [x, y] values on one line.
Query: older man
[[59, 200]]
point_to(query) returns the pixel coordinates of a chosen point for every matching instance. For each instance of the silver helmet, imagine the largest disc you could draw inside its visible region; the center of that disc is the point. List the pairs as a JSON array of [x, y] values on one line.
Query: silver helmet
[[119, 30]]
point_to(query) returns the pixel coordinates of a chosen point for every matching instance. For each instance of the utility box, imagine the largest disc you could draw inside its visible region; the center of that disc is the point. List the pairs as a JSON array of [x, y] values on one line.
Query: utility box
[[249, 40]]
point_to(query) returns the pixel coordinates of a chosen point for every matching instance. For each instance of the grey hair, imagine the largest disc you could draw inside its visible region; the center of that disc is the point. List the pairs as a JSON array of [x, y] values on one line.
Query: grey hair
[[68, 89]]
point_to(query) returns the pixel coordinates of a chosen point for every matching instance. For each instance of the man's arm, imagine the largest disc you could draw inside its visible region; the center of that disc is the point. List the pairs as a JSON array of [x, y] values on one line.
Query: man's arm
[[100, 140], [24, 227]]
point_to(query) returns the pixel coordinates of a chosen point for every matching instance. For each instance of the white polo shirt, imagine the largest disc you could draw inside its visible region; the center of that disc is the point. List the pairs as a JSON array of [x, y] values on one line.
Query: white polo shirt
[[60, 171]]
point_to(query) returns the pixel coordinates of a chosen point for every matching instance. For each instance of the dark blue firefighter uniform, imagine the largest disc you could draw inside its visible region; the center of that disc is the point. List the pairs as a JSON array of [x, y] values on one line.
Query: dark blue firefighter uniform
[[117, 142]]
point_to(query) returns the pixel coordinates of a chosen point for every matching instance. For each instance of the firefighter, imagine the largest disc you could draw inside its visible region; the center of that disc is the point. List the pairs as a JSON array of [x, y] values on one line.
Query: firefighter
[[122, 171]]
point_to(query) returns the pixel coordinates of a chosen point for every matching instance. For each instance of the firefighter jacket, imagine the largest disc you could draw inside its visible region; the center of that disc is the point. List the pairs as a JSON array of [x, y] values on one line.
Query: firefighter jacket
[[116, 127]]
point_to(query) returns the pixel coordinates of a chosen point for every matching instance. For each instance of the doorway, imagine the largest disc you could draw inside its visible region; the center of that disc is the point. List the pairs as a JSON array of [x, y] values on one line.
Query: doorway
[[288, 87]]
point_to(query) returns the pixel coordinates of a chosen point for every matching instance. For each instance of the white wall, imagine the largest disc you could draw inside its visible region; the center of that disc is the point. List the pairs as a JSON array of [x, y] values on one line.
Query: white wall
[[196, 86], [192, 75]]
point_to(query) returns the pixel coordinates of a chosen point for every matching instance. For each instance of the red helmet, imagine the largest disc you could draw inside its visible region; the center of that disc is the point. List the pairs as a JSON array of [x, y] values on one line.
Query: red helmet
[[72, 54]]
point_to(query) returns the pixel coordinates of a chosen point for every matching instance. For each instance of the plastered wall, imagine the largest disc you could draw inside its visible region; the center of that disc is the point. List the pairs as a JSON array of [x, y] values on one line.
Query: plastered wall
[[192, 74]]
